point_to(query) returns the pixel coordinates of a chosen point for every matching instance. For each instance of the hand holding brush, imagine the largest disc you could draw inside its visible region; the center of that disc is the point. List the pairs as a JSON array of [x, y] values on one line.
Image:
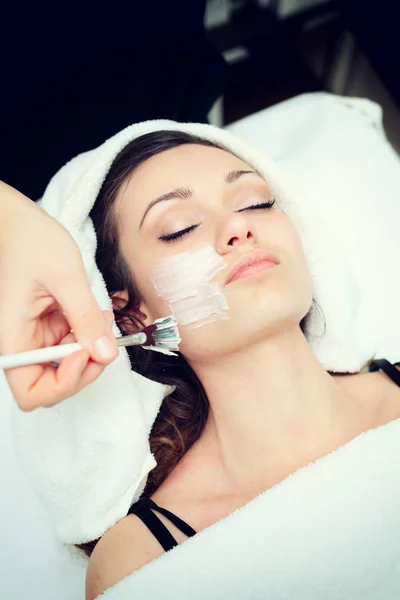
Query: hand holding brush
[[44, 294], [161, 336]]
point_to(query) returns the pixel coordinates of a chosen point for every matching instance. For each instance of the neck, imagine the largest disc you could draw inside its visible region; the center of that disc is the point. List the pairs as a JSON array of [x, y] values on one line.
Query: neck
[[270, 404]]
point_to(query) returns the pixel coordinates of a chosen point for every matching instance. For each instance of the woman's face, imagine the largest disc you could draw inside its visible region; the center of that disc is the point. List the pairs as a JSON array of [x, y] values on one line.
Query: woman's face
[[207, 189]]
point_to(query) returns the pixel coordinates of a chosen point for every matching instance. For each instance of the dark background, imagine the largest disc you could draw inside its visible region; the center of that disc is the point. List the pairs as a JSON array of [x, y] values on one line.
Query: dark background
[[73, 74]]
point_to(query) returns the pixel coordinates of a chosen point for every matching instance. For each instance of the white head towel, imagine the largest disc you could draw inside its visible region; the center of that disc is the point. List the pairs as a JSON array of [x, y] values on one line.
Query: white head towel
[[89, 456]]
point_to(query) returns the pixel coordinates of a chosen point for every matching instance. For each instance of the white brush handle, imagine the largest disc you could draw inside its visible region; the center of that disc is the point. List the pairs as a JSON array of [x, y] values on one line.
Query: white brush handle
[[32, 357], [52, 353]]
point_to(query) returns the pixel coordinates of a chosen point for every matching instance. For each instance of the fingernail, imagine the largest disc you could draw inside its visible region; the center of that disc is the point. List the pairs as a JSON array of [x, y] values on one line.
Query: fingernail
[[104, 348]]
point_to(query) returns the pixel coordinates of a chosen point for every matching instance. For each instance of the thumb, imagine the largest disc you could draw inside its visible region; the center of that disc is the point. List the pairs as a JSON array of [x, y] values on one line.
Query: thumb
[[88, 322]]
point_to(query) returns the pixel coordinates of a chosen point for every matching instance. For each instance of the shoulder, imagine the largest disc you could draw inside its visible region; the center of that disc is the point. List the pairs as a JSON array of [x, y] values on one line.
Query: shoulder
[[124, 548], [375, 391]]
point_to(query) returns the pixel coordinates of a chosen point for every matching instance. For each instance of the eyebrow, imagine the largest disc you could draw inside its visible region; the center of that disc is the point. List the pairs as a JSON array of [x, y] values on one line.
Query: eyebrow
[[182, 193]]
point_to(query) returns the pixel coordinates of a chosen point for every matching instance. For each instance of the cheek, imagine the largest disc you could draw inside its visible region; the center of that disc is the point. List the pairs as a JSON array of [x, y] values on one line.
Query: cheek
[[154, 306], [157, 307], [288, 239], [300, 271], [183, 281]]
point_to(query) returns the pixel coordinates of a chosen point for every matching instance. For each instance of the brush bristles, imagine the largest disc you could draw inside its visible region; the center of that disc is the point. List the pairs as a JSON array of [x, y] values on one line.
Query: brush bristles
[[163, 335]]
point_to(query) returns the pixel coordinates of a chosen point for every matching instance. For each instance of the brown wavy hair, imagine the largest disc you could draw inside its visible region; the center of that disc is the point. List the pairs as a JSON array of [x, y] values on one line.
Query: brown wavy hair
[[183, 414]]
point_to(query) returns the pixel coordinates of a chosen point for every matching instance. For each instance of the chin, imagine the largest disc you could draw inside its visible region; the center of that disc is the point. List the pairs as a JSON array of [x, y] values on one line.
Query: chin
[[224, 337], [255, 313]]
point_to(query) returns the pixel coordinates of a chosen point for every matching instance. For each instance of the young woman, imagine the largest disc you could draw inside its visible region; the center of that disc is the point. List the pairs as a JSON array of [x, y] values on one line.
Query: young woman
[[252, 402]]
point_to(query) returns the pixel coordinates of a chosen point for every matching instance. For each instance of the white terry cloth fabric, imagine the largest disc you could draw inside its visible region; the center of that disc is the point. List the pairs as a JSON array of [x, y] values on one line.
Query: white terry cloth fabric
[[88, 457], [330, 531]]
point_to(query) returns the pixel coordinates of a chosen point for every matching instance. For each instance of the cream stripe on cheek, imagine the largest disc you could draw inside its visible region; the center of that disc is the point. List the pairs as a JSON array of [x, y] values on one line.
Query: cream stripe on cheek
[[183, 281]]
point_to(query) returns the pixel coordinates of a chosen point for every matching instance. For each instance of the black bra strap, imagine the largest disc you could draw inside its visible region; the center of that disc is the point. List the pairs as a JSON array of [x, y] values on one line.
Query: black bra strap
[[156, 526], [387, 367], [187, 530], [142, 508]]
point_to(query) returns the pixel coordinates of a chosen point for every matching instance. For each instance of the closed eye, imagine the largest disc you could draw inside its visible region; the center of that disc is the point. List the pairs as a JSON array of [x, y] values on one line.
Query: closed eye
[[260, 205], [176, 236], [173, 237]]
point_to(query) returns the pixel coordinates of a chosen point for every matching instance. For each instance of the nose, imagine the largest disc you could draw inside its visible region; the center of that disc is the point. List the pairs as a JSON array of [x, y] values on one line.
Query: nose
[[235, 231]]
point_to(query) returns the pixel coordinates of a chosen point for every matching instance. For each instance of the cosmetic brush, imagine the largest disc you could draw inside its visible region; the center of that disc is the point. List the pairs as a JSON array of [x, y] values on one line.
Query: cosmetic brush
[[161, 336]]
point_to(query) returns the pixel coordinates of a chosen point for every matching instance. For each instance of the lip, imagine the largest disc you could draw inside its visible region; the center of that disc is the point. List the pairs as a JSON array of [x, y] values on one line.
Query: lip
[[249, 259]]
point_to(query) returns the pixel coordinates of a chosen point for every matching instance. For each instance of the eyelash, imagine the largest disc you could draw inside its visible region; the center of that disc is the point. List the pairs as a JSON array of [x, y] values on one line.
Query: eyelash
[[173, 237]]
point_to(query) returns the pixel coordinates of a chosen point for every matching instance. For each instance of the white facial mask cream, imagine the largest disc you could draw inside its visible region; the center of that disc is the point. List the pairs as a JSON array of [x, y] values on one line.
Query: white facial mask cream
[[183, 280]]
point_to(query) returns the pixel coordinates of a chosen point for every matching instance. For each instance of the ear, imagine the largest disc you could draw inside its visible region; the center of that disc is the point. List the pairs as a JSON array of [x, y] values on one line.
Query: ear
[[119, 300]]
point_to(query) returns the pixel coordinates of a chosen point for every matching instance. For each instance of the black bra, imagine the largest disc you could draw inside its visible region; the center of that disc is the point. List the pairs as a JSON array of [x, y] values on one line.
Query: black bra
[[144, 507]]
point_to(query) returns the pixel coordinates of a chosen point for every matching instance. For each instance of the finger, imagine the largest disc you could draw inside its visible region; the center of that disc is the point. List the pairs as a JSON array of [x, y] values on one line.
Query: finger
[[84, 377], [54, 385], [84, 314], [91, 371], [109, 315], [46, 385], [55, 328], [70, 371], [60, 327]]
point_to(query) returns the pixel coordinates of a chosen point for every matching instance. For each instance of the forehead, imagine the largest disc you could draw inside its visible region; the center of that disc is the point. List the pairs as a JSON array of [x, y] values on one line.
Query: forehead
[[188, 165]]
